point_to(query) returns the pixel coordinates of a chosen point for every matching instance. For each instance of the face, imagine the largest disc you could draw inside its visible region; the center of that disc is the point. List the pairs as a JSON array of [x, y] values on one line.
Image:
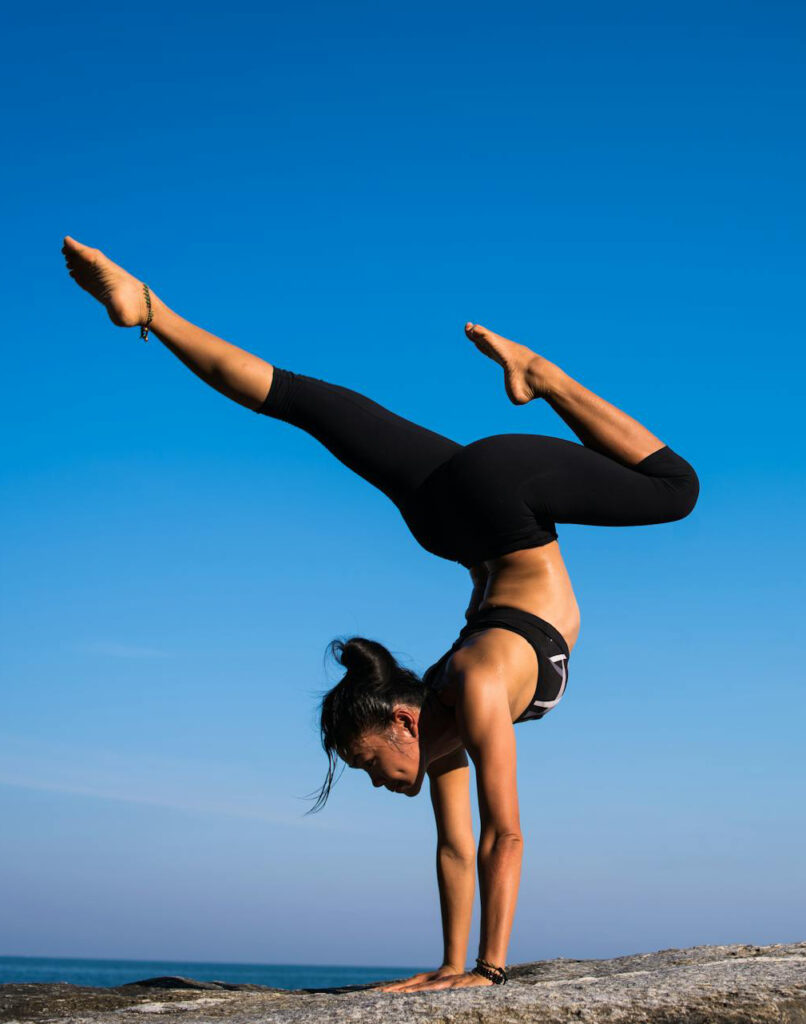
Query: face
[[391, 758]]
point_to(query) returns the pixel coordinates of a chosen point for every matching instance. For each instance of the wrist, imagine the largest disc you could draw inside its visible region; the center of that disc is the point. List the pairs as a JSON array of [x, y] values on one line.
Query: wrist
[[492, 957], [457, 968]]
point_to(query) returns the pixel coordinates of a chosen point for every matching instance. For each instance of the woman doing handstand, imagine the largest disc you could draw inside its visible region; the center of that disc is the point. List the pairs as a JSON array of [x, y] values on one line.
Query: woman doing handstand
[[492, 507]]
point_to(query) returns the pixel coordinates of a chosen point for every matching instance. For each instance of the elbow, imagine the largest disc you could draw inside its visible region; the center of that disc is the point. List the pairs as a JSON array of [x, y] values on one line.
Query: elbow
[[502, 840], [509, 838], [464, 853], [500, 848]]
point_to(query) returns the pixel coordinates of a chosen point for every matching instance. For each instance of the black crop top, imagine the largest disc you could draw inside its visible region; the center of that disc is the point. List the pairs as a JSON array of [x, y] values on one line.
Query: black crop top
[[549, 646]]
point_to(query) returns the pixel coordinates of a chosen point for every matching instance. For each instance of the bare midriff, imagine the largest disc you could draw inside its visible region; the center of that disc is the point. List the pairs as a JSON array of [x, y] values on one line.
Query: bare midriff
[[536, 580]]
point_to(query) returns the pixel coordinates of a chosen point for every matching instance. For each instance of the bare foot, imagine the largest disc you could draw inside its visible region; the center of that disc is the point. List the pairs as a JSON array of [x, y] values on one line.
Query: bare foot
[[110, 284], [526, 374]]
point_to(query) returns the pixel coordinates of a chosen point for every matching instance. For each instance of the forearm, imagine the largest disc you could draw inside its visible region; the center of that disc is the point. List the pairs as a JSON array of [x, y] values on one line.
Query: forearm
[[500, 860], [456, 875], [236, 373]]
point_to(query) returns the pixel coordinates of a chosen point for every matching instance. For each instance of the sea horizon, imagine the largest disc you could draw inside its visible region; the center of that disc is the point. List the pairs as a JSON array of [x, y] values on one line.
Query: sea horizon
[[111, 972]]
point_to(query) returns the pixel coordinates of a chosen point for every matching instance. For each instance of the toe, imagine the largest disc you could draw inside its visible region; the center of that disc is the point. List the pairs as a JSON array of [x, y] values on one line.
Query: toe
[[77, 248]]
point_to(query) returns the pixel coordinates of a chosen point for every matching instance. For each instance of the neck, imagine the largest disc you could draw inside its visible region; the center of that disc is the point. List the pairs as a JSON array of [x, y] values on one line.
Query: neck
[[438, 733]]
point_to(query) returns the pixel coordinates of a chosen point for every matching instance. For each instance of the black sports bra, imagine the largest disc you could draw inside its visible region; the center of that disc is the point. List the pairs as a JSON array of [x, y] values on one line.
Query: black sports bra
[[549, 646]]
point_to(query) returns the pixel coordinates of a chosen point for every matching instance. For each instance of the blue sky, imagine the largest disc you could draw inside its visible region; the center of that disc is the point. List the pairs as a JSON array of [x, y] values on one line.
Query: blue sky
[[339, 188]]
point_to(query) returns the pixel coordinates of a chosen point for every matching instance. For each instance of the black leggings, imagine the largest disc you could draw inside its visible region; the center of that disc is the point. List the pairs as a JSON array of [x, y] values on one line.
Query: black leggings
[[470, 503]]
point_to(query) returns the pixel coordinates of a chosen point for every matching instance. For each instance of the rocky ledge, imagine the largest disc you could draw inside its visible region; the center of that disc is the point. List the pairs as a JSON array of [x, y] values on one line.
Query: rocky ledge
[[702, 985]]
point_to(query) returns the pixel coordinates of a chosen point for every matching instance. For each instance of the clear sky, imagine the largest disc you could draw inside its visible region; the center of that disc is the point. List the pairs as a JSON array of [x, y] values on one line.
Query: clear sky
[[339, 187]]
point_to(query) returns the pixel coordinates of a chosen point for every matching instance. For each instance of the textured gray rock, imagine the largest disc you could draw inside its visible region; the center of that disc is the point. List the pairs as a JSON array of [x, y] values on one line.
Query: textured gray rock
[[703, 985]]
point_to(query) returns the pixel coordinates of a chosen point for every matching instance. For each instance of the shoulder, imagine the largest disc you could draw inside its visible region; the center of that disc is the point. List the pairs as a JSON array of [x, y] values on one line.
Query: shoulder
[[493, 655]]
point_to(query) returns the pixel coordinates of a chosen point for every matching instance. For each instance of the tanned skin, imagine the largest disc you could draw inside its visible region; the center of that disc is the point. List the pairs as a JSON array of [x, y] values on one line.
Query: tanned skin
[[489, 681]]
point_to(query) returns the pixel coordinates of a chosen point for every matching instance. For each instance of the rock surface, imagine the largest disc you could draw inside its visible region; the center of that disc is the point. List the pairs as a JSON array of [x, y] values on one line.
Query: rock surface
[[703, 985]]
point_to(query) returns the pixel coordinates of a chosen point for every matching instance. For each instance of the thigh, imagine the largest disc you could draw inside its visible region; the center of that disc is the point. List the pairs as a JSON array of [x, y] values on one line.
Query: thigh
[[390, 452], [568, 483], [507, 477], [505, 493]]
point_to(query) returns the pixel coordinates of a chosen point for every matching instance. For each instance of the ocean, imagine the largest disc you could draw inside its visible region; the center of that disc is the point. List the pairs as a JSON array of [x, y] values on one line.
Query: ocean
[[109, 973]]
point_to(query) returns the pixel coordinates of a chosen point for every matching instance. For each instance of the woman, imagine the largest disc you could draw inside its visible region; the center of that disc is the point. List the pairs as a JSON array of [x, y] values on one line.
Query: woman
[[491, 506]]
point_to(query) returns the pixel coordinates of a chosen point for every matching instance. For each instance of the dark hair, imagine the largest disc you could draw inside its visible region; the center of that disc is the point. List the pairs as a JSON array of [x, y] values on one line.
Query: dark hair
[[364, 699]]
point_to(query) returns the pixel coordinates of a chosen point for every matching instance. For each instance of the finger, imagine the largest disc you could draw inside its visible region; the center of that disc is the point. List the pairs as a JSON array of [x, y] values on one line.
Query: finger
[[426, 985], [409, 982]]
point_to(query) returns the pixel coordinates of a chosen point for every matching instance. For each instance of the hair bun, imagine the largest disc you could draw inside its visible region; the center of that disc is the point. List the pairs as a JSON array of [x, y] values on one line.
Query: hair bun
[[364, 659], [354, 654]]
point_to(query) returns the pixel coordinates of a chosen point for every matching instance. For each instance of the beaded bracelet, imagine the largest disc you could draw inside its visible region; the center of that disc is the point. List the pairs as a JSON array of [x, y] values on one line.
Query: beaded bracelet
[[150, 317], [497, 975]]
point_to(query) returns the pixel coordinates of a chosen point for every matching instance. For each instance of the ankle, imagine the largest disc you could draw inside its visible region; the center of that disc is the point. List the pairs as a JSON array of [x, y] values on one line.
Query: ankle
[[159, 312], [545, 378]]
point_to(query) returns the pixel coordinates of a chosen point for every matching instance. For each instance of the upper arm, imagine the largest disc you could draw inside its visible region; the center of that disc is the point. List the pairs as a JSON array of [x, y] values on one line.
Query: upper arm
[[450, 797], [484, 720]]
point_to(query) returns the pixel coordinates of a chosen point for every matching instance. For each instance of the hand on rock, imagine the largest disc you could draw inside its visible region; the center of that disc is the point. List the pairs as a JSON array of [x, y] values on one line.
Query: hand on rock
[[425, 977], [445, 977]]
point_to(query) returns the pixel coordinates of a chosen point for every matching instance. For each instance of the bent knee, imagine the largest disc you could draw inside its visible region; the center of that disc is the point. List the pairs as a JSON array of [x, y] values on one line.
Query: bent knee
[[685, 492]]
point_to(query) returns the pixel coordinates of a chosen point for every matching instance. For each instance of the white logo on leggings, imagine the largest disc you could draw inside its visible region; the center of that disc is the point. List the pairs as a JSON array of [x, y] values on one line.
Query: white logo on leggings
[[560, 664]]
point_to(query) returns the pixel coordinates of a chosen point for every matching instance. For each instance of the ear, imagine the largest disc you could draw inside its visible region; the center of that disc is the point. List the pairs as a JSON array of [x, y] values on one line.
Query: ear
[[408, 719]]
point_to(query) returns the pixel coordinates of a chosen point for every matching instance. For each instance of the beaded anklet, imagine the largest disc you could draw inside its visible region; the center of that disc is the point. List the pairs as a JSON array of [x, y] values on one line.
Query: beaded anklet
[[497, 975], [147, 324]]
